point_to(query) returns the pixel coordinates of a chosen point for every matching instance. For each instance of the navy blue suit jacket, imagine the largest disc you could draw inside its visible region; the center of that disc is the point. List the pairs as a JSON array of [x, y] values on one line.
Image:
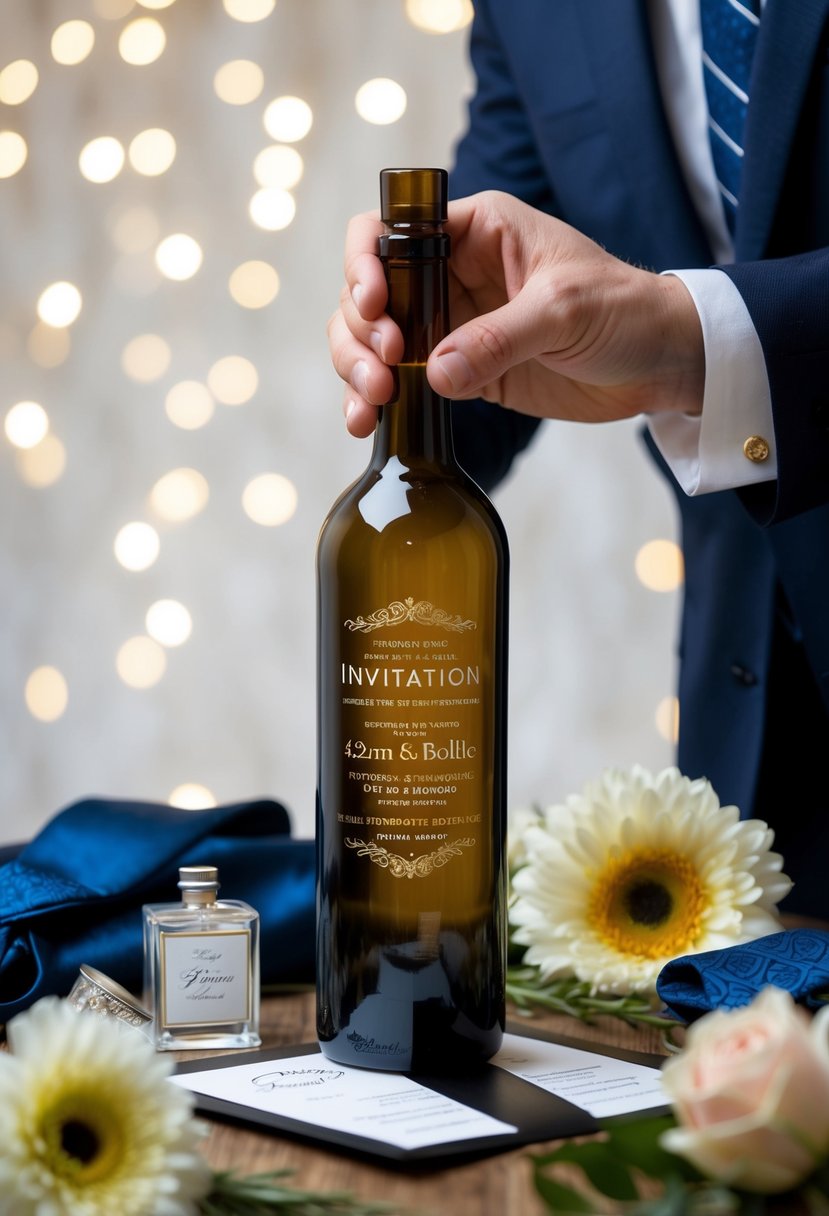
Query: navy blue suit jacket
[[568, 116]]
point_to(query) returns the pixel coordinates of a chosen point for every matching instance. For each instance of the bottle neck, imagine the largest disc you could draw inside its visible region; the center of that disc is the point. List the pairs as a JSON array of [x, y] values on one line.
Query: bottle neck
[[415, 426], [198, 899]]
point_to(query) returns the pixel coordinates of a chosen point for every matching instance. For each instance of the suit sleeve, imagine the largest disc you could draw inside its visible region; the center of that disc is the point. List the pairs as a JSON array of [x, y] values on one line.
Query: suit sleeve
[[497, 152], [788, 301]]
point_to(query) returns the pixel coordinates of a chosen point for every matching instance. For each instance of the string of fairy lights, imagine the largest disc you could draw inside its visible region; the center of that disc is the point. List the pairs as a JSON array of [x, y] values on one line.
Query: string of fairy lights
[[269, 499]]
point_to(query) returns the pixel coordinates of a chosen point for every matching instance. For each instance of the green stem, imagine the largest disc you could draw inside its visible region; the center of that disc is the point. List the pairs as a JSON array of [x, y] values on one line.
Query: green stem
[[575, 999], [260, 1194]]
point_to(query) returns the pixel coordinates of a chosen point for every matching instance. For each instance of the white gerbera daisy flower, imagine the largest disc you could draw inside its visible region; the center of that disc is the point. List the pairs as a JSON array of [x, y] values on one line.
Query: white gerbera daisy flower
[[519, 821], [89, 1125], [637, 870]]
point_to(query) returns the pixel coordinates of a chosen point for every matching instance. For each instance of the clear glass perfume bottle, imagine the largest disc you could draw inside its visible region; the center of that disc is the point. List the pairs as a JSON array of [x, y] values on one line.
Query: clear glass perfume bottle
[[201, 967]]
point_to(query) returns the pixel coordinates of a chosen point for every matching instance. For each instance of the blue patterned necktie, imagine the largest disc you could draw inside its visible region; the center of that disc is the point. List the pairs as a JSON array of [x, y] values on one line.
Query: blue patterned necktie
[[796, 961], [729, 32]]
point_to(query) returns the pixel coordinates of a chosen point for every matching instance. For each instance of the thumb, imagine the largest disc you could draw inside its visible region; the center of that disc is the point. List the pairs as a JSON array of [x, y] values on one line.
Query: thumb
[[481, 351]]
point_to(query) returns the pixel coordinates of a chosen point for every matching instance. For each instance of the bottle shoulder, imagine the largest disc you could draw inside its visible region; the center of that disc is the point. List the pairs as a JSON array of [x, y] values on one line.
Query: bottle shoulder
[[414, 503], [203, 917]]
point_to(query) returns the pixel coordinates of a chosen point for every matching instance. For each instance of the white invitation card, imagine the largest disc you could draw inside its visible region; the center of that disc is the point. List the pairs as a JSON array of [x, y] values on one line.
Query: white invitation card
[[602, 1085], [533, 1090], [382, 1106]]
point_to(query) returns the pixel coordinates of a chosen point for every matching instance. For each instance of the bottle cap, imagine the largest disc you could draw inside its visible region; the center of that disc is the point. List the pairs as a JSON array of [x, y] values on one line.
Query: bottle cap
[[198, 878], [413, 196]]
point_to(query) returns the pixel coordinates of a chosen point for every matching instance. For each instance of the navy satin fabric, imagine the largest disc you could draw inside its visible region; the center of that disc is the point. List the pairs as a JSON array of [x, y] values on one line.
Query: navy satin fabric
[[74, 894], [797, 961]]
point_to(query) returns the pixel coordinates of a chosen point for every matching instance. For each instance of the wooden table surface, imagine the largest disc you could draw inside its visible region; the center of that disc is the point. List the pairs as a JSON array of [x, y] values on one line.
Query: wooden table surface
[[497, 1186]]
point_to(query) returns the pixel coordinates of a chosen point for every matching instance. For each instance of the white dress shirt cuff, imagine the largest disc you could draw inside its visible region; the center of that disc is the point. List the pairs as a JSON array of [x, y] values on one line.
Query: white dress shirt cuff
[[731, 443]]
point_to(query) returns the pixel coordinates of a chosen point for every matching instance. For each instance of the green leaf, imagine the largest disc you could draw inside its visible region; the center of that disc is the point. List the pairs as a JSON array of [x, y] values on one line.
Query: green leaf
[[637, 1142], [676, 1200], [815, 1195], [628, 1145], [561, 1198], [604, 1172]]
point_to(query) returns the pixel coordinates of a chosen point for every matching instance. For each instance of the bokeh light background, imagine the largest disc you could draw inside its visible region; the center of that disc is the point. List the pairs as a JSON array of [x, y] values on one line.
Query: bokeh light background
[[175, 181]]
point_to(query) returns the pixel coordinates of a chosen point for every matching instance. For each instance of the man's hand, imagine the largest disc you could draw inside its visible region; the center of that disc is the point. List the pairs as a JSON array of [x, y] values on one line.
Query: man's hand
[[547, 323]]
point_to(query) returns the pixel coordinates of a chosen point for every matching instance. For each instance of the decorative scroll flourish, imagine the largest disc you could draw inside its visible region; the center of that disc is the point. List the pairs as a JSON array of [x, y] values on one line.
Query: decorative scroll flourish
[[422, 612], [418, 867]]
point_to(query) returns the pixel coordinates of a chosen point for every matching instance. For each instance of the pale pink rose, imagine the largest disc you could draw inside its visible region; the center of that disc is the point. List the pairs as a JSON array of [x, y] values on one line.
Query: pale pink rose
[[751, 1094]]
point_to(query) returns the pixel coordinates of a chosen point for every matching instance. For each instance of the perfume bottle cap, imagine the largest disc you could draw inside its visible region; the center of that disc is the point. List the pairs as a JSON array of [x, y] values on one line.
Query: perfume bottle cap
[[413, 196], [198, 883]]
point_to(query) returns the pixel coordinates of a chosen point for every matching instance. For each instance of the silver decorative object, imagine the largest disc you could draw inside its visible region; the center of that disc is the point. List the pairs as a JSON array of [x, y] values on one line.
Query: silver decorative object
[[93, 992]]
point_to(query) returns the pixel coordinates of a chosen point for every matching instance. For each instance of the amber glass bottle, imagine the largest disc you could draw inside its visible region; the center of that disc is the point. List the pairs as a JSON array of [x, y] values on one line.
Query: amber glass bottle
[[412, 633]]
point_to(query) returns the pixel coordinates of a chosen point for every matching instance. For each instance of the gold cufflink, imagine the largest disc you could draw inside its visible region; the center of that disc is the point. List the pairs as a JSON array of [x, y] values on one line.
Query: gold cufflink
[[756, 448]]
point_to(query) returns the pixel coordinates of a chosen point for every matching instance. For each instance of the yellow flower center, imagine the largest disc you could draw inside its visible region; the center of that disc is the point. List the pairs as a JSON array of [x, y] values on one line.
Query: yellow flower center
[[83, 1139], [648, 903]]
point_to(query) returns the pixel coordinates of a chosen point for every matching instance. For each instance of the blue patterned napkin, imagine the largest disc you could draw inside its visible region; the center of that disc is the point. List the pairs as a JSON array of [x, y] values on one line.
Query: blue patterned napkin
[[796, 960], [73, 895]]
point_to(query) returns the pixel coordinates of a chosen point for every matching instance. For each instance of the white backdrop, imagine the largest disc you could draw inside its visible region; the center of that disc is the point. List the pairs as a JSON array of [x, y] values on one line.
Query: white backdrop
[[592, 647]]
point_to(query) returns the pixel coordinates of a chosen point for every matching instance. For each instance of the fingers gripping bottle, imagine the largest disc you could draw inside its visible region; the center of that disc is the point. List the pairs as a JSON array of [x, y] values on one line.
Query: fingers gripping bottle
[[412, 569]]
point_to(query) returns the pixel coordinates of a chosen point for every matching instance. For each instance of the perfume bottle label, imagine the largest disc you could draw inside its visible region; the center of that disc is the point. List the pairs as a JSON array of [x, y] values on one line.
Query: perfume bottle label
[[205, 978]]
